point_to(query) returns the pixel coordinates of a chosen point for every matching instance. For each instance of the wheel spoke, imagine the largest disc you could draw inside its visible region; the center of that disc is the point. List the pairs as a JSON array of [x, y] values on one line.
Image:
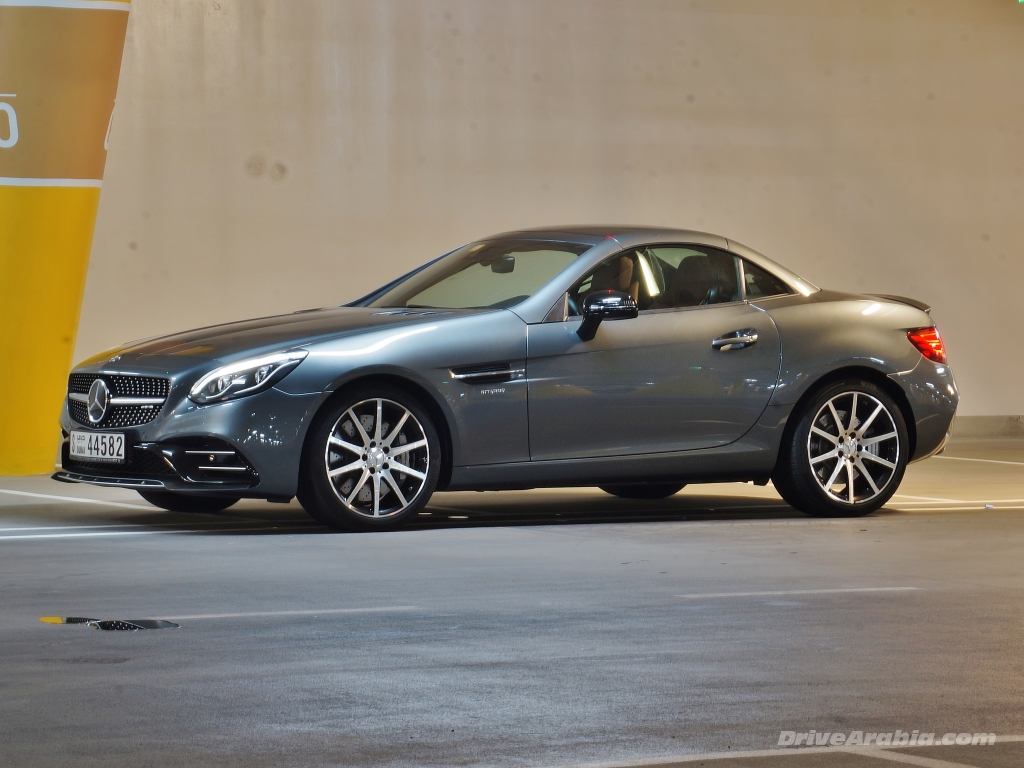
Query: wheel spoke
[[359, 426], [853, 413], [376, 492], [871, 418], [357, 487], [875, 440], [822, 433], [342, 444], [867, 475], [878, 459], [377, 422], [835, 474], [358, 464], [830, 455], [407, 470], [394, 486], [396, 429], [835, 415], [408, 447], [849, 482]]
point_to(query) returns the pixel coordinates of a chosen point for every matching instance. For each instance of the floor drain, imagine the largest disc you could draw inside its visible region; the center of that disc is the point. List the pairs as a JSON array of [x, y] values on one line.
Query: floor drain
[[112, 625]]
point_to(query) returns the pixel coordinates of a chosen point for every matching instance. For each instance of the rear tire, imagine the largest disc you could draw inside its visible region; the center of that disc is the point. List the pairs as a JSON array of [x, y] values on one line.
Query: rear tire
[[187, 502], [372, 460], [643, 490], [846, 451]]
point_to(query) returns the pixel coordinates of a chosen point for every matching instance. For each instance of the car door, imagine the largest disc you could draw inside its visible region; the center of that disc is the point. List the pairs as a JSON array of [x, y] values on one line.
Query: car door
[[667, 380]]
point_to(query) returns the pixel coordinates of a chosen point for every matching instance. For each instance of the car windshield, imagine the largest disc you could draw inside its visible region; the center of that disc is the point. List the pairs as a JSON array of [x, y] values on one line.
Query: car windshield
[[494, 275]]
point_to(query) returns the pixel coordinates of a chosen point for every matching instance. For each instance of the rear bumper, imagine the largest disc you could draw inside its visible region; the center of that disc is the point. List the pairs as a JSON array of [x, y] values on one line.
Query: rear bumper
[[931, 391]]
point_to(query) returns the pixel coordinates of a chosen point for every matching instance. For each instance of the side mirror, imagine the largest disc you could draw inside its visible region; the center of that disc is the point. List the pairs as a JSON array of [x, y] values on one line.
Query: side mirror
[[605, 305]]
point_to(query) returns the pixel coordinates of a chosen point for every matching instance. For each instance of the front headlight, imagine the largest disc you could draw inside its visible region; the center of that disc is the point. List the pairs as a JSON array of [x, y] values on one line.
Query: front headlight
[[245, 378]]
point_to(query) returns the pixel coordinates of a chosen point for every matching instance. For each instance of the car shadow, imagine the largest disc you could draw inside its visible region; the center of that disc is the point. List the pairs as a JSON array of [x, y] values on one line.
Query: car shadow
[[585, 506]]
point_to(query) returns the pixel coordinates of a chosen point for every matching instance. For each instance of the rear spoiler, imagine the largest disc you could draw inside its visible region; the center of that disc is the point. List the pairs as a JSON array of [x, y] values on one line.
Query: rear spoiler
[[904, 300]]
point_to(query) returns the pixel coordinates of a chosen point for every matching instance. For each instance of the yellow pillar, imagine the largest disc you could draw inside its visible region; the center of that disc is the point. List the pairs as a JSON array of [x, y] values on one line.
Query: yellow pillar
[[59, 62]]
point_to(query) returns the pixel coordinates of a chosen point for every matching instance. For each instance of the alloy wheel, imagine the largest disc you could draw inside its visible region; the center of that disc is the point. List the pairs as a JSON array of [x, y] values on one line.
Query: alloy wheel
[[377, 458], [853, 447]]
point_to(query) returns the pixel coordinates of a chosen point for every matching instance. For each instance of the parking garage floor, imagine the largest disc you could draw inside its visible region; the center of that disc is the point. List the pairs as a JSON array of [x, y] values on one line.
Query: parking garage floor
[[532, 628]]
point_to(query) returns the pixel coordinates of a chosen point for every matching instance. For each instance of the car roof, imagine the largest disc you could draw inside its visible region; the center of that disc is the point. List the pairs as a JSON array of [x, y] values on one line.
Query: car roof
[[594, 233]]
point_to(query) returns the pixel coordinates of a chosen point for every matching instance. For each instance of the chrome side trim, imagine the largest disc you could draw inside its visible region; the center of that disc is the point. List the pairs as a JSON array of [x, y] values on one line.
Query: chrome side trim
[[211, 453], [227, 469]]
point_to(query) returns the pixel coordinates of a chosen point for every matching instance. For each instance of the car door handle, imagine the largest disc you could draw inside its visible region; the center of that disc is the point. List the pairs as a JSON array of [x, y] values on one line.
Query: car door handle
[[735, 340]]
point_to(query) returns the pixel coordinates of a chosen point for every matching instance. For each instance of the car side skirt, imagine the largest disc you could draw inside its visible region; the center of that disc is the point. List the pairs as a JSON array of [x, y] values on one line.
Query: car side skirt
[[750, 458]]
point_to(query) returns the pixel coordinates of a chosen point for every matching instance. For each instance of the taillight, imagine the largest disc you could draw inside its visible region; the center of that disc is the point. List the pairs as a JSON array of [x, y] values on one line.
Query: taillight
[[928, 343]]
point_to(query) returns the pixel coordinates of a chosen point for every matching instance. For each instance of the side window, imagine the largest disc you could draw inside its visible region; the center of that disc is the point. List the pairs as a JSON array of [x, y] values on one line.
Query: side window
[[694, 275], [619, 273], [664, 277], [760, 284]]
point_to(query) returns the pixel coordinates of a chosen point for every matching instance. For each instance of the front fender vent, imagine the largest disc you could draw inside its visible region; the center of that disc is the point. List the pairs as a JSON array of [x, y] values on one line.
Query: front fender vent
[[495, 373]]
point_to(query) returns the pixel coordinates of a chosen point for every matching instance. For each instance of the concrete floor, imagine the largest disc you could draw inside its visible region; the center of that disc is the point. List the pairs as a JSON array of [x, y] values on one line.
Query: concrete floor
[[518, 629]]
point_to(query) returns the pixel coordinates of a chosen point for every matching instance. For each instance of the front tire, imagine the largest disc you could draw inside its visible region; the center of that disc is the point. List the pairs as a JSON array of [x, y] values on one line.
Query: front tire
[[846, 454], [187, 502], [372, 460], [643, 490]]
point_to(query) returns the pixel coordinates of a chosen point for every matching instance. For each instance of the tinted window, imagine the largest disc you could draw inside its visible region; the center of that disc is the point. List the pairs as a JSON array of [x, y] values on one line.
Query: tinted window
[[493, 275], [760, 283], [664, 276]]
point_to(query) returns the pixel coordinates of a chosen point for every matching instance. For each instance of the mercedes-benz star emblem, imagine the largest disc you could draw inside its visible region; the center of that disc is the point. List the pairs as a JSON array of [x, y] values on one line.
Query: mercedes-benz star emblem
[[99, 400]]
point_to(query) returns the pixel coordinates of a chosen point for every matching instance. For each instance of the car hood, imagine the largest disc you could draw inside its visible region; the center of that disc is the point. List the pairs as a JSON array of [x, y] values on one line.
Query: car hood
[[185, 350]]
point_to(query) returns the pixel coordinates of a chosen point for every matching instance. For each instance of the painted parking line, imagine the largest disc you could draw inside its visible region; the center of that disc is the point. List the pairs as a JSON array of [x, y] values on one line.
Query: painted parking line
[[98, 534], [890, 754], [270, 614], [966, 501], [191, 524], [966, 509], [919, 499], [905, 758], [779, 593], [76, 499], [62, 527], [984, 461], [85, 535]]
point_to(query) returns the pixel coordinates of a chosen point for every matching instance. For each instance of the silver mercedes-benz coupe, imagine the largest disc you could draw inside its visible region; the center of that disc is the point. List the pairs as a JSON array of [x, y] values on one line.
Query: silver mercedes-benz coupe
[[635, 359]]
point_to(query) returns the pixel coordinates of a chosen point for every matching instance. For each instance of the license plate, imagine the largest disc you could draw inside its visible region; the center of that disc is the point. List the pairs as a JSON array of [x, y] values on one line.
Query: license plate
[[98, 446]]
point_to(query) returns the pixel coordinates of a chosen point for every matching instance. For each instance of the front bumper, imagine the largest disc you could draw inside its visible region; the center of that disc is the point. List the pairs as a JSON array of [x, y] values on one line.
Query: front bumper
[[197, 465], [249, 447]]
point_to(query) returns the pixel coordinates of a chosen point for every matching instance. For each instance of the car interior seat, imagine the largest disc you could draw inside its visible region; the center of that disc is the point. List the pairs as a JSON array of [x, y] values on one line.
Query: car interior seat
[[704, 279]]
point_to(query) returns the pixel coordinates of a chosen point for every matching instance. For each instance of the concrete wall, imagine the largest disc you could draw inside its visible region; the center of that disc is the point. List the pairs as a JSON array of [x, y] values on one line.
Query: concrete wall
[[269, 155]]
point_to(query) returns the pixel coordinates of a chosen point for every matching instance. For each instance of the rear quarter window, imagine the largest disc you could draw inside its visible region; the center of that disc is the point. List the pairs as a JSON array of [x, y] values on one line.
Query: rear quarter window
[[760, 284]]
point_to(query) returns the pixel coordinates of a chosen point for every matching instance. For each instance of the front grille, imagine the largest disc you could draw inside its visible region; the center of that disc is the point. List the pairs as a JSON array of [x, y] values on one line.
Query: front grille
[[129, 415], [79, 412], [121, 385]]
